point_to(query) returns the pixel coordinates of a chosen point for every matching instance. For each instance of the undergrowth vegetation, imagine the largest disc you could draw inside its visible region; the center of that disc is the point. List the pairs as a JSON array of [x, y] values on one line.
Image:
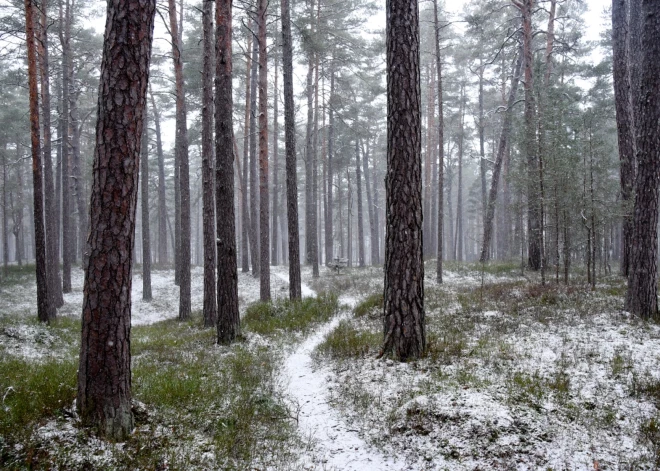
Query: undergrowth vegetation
[[196, 405]]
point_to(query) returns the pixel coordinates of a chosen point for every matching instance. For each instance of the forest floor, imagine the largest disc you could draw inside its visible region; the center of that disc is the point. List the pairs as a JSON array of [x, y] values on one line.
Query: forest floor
[[517, 376]]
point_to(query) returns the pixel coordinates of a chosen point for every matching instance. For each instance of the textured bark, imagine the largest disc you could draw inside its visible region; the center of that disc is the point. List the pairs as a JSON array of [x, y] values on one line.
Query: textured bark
[[228, 317], [641, 298], [45, 309], [358, 180], [104, 373], [181, 149], [162, 203], [310, 203], [624, 121], [67, 235], [458, 239], [534, 217], [441, 144], [254, 189], [404, 322], [373, 230], [52, 236], [329, 230], [210, 296], [501, 152], [430, 155], [144, 195], [275, 236], [245, 210], [314, 235], [264, 230], [290, 143]]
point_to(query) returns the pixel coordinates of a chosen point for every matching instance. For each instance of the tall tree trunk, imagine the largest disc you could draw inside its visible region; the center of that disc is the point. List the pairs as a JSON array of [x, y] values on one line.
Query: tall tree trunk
[[264, 203], [310, 232], [430, 155], [482, 140], [624, 121], [104, 373], [144, 195], [229, 322], [534, 217], [441, 144], [5, 216], [349, 218], [373, 231], [254, 185], [208, 233], [245, 207], [358, 180], [78, 184], [181, 149], [67, 236], [162, 203], [329, 235], [17, 209], [289, 132], [404, 319], [458, 240], [45, 309], [52, 236], [315, 177], [501, 151], [275, 236], [641, 298]]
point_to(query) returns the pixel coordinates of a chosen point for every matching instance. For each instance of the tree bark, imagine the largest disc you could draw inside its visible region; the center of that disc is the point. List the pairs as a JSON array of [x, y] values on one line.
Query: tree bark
[[625, 128], [181, 149], [162, 202], [641, 297], [104, 373], [458, 239], [45, 308], [404, 320], [430, 155], [290, 143], [229, 322], [254, 189], [441, 144], [245, 210], [264, 230], [501, 151], [52, 236], [373, 231], [208, 232], [329, 235], [144, 195], [67, 236], [275, 236], [358, 180]]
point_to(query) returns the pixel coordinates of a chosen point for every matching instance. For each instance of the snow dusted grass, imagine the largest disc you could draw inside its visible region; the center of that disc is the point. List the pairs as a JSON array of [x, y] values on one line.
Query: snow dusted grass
[[196, 405], [516, 376]]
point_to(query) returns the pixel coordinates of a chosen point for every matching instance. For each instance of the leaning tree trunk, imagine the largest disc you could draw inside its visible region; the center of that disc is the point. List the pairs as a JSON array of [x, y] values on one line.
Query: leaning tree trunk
[[404, 322], [290, 148], [228, 317], [45, 309], [501, 151], [624, 121], [641, 298], [104, 373], [210, 296], [264, 232], [144, 195], [181, 145]]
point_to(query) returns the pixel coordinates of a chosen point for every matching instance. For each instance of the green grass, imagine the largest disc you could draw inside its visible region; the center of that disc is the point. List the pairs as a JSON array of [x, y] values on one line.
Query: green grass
[[32, 390], [289, 316], [372, 306], [345, 342]]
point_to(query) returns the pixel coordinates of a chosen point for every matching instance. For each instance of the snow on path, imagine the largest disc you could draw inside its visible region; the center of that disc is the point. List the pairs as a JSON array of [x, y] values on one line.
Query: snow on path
[[336, 445], [305, 290]]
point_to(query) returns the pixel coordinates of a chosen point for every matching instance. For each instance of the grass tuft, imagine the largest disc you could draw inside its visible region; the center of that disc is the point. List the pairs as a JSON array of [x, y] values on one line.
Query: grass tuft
[[346, 342]]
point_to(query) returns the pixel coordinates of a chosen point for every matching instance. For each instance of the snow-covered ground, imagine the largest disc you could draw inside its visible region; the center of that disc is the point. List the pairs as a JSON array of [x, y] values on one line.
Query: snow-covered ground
[[518, 377]]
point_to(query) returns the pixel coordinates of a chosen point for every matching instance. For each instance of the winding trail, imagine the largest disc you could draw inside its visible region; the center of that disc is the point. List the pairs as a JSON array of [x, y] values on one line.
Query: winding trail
[[336, 446]]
